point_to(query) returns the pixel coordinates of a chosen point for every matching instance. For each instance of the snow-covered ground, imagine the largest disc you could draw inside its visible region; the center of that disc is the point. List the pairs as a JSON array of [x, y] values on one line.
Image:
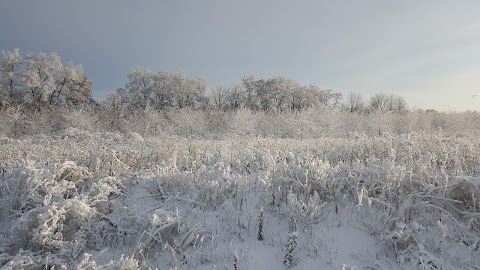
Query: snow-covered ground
[[98, 200]]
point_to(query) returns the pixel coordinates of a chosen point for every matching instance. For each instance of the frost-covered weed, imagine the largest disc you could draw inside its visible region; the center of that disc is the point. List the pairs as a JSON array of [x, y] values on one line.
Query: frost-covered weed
[[56, 212], [289, 260], [124, 263], [307, 210], [408, 243], [166, 200]]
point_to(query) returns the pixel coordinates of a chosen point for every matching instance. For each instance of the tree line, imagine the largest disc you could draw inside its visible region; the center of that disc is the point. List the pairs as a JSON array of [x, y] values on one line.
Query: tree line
[[44, 80]]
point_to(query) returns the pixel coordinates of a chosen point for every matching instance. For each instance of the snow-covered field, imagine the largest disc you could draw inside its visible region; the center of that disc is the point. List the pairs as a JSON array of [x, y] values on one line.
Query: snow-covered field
[[97, 200]]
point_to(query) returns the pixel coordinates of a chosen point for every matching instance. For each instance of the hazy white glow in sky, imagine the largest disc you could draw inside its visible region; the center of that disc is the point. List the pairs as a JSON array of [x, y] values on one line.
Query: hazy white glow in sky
[[426, 51]]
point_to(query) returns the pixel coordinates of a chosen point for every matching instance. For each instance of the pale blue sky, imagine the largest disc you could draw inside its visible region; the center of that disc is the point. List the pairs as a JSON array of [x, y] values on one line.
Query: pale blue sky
[[426, 51]]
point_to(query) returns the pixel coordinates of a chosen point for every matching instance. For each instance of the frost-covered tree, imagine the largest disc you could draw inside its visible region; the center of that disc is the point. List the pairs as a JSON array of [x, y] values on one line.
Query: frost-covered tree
[[115, 106], [387, 103], [335, 99], [43, 79], [311, 96], [251, 100], [163, 93], [399, 104], [187, 92], [164, 90], [298, 99], [40, 77], [140, 87], [10, 79], [117, 100], [282, 94], [355, 103], [72, 86], [278, 92], [378, 102], [236, 97], [228, 98], [219, 98]]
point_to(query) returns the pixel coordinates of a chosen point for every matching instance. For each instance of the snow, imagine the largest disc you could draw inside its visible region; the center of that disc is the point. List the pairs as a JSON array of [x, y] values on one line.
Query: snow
[[101, 201]]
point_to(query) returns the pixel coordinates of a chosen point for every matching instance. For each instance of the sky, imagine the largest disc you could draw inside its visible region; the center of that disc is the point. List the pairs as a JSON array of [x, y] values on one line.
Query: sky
[[426, 51]]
